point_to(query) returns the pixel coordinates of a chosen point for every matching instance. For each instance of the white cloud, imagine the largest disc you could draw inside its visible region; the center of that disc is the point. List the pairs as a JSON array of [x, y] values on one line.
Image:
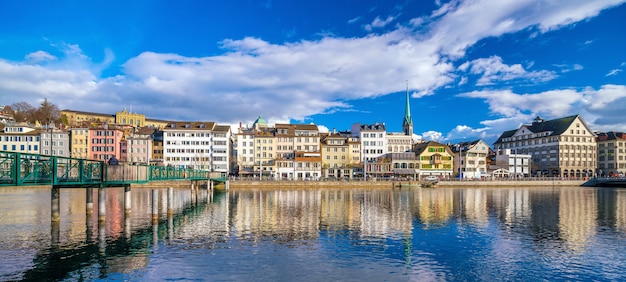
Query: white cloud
[[39, 56], [613, 72], [494, 71], [603, 108], [460, 24], [432, 136], [378, 23], [295, 80]]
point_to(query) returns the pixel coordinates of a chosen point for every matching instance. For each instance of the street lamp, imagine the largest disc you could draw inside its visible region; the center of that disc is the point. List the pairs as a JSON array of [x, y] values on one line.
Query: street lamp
[[459, 149]]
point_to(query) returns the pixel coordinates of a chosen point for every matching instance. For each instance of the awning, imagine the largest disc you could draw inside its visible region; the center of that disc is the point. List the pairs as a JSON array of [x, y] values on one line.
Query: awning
[[404, 171]]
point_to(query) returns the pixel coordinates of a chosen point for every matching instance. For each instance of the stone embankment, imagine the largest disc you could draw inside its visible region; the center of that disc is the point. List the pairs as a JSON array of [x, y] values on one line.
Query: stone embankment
[[237, 184], [255, 184]]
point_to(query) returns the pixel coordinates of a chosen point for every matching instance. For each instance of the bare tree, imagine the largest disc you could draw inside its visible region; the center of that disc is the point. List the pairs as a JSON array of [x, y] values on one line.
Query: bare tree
[[23, 111]]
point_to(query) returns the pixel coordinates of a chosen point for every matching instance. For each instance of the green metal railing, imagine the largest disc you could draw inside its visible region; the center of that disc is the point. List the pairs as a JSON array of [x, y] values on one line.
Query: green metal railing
[[20, 169]]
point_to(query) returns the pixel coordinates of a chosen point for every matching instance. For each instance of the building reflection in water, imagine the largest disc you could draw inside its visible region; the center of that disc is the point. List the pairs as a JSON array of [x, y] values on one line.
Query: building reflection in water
[[568, 217], [578, 209]]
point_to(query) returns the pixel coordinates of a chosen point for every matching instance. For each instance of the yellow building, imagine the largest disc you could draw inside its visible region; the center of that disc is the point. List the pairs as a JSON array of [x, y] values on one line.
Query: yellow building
[[79, 142], [77, 118], [435, 159], [337, 156], [126, 117]]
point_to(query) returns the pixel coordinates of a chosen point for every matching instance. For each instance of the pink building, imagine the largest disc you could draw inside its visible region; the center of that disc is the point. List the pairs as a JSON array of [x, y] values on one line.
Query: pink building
[[105, 142]]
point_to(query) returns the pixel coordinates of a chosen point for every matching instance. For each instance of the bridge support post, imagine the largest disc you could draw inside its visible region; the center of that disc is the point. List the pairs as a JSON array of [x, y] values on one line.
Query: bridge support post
[[155, 205], [226, 185], [102, 205], [170, 201], [193, 193], [55, 205], [89, 200], [127, 199], [210, 184]]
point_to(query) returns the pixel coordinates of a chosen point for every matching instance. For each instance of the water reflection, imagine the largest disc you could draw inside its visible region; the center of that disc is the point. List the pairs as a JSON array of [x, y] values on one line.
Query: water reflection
[[434, 234]]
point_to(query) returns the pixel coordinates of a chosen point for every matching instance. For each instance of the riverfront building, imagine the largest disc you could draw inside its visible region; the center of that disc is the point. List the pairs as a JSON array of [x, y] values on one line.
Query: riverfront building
[[435, 159], [373, 140], [510, 164], [561, 147], [139, 145], [471, 159], [55, 142], [611, 153], [197, 145], [104, 142], [79, 142], [19, 137], [340, 156]]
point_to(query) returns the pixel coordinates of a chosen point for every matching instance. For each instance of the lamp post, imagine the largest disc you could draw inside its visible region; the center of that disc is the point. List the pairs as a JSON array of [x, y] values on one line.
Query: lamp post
[[458, 146]]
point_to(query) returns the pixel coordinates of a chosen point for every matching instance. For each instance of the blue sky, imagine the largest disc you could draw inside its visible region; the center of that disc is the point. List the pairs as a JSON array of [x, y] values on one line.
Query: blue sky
[[474, 68]]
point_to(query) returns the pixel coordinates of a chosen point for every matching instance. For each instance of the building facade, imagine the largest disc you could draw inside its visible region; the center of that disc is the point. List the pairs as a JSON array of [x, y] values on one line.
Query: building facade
[[20, 137], [611, 153], [563, 147], [140, 145], [197, 145], [435, 159], [471, 159], [373, 140], [104, 143], [79, 142]]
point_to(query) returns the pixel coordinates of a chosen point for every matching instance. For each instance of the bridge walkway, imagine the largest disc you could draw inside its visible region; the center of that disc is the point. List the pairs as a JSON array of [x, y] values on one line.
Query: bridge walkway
[[23, 169]]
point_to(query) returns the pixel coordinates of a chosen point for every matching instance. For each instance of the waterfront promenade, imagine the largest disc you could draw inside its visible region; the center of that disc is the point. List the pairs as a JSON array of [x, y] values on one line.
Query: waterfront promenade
[[544, 182]]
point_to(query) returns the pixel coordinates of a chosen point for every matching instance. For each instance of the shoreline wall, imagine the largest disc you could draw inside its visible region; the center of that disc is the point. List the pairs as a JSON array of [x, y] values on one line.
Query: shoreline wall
[[389, 184]]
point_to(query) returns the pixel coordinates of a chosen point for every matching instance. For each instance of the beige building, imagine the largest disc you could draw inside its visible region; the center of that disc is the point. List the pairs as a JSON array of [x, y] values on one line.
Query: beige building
[[563, 147], [340, 156], [398, 142], [611, 153], [471, 158], [265, 153]]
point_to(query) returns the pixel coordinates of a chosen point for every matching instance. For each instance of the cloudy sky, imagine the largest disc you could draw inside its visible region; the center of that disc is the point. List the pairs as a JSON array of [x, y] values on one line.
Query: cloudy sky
[[473, 68]]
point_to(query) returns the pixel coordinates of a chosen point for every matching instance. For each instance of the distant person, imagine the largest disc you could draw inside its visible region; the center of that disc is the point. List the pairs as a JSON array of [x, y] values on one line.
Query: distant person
[[113, 161]]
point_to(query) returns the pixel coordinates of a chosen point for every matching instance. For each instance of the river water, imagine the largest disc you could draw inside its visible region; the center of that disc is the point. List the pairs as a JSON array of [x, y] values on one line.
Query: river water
[[318, 234]]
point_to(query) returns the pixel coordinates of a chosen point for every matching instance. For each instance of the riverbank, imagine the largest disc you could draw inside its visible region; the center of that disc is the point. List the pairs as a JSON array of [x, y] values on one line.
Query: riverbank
[[244, 184]]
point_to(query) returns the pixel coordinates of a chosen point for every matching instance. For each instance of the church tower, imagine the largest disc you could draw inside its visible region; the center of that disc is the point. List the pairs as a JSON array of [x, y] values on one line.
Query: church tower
[[407, 124]]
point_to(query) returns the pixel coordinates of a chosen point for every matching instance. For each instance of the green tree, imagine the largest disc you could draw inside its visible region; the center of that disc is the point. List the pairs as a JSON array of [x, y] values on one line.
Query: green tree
[[47, 112]]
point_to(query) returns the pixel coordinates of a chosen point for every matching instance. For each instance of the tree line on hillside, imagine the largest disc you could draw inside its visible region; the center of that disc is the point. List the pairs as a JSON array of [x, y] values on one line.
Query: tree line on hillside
[[45, 114]]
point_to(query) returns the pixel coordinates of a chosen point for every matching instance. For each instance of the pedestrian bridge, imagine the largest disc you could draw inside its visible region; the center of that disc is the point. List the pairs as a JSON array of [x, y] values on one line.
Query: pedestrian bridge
[[23, 169]]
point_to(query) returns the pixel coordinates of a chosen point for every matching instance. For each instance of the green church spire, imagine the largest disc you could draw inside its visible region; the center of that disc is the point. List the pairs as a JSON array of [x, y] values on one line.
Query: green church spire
[[407, 124]]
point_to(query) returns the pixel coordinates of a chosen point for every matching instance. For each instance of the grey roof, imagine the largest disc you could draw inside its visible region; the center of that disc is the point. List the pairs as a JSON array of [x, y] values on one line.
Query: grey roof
[[556, 126]]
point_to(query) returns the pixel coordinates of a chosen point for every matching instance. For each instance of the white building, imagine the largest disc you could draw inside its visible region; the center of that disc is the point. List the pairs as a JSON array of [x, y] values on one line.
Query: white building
[[373, 140], [398, 142], [140, 145], [513, 164], [20, 137], [197, 145]]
